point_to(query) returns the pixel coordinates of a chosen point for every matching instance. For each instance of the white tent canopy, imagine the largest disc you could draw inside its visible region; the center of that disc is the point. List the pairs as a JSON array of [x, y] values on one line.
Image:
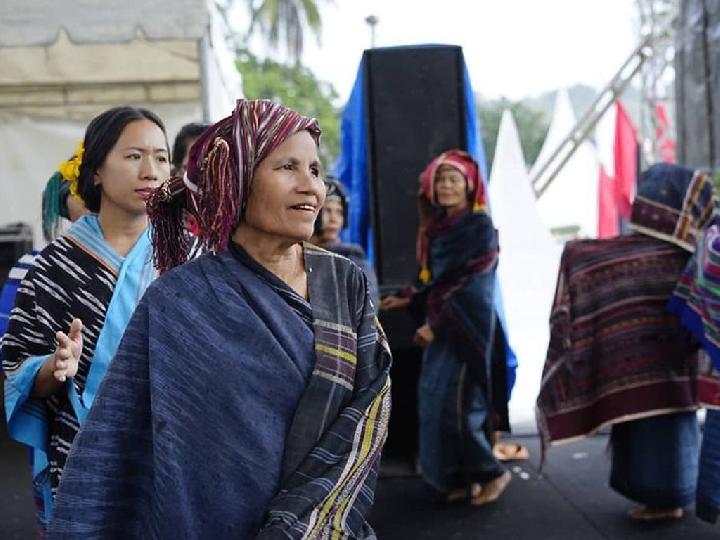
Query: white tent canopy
[[570, 203], [527, 269], [64, 61], [29, 23]]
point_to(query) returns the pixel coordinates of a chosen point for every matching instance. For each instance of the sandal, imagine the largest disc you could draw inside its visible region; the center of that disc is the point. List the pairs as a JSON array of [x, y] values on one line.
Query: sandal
[[510, 452], [647, 513]]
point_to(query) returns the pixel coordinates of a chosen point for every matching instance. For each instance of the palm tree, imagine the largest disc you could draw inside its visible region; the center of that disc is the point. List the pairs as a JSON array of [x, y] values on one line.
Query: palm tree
[[286, 21]]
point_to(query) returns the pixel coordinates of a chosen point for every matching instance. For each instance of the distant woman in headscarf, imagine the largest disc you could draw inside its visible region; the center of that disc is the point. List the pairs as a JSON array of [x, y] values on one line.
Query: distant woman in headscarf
[[250, 395], [330, 223], [458, 253]]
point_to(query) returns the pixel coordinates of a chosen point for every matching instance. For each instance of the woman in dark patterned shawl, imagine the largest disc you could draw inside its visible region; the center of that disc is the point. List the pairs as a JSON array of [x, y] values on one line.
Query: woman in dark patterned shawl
[[250, 395], [616, 356], [457, 251], [696, 301], [86, 283]]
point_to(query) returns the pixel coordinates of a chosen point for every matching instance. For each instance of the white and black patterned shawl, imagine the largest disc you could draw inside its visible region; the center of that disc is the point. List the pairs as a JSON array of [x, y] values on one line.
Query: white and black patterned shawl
[[67, 281]]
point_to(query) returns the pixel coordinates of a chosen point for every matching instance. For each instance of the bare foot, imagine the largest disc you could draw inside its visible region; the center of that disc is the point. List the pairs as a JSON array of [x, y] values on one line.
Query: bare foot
[[462, 493], [492, 490], [647, 513]]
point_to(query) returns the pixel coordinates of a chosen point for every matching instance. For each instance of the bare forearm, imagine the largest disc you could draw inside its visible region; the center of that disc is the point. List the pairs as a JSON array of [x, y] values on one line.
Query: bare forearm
[[45, 382]]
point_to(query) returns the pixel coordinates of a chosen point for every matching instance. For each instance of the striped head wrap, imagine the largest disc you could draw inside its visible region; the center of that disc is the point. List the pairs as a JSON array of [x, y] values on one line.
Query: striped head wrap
[[215, 188], [468, 167], [673, 204]]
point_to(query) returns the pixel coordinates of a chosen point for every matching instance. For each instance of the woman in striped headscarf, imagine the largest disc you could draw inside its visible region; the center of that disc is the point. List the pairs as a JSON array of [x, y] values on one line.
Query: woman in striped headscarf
[[457, 253], [250, 395]]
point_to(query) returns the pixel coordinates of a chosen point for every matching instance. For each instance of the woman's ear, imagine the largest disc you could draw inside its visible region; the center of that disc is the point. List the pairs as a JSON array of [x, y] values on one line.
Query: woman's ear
[[96, 179]]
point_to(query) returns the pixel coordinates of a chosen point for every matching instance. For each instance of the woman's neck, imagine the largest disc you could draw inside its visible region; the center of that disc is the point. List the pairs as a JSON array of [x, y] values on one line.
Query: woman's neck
[[121, 229], [282, 257], [453, 210], [324, 242]]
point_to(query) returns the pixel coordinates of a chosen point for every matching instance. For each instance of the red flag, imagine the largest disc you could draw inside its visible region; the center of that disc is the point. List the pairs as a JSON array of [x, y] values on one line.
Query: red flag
[[626, 160], [608, 212], [663, 135]]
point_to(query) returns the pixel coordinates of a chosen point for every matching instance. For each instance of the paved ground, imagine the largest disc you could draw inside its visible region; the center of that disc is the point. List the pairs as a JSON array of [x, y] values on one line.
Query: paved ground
[[569, 502], [16, 506]]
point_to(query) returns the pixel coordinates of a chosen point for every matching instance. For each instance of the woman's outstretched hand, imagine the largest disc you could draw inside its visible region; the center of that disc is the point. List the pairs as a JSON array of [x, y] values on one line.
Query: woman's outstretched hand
[[67, 352], [393, 302], [62, 364]]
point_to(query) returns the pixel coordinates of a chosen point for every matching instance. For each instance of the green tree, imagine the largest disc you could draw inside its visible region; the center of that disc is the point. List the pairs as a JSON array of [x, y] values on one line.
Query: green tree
[[298, 88], [532, 126], [285, 21]]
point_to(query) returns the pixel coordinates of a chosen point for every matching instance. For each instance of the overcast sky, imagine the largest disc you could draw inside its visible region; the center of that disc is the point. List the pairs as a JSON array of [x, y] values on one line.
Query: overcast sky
[[513, 48]]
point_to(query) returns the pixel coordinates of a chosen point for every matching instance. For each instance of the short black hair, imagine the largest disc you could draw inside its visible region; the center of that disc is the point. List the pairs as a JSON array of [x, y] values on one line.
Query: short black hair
[[188, 131], [101, 135]]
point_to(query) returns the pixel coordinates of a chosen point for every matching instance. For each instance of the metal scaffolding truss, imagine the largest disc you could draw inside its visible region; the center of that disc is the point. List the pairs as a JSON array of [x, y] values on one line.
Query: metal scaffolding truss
[[652, 58]]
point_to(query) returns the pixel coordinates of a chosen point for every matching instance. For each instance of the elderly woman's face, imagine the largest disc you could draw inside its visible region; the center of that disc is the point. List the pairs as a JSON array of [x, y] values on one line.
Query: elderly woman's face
[[287, 190], [451, 189]]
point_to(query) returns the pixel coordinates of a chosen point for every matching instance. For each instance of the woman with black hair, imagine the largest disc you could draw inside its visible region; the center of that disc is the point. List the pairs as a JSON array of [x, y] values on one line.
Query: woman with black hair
[[187, 135], [86, 283]]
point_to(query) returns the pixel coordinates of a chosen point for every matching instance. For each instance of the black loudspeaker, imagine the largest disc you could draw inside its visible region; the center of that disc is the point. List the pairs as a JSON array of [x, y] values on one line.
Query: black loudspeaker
[[15, 241], [415, 107], [697, 83], [415, 110]]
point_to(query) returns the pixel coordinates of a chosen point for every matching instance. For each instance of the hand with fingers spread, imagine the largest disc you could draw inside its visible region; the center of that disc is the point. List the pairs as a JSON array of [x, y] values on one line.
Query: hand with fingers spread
[[68, 351]]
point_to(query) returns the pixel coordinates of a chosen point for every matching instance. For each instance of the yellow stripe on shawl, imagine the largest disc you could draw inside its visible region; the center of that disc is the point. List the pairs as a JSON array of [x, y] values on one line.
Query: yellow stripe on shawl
[[364, 451], [336, 352]]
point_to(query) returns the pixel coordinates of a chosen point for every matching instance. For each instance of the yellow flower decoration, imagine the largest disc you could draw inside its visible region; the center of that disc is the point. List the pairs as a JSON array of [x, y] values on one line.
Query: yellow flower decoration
[[70, 170]]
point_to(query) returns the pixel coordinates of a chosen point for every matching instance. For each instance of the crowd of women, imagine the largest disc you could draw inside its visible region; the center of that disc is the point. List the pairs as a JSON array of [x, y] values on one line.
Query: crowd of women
[[185, 362]]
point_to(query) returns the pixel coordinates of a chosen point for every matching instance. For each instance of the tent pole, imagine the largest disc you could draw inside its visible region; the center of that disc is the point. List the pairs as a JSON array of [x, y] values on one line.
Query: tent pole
[[204, 56]]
